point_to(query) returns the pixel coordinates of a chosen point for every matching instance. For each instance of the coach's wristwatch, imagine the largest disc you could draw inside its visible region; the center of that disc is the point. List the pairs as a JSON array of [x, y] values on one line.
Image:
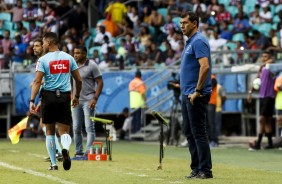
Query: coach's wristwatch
[[77, 96]]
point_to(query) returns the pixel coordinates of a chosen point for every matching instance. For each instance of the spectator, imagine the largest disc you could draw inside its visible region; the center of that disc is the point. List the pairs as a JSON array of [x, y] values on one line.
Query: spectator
[[265, 14], [42, 11], [156, 19], [216, 42], [34, 29], [126, 26], [267, 100], [17, 12], [78, 19], [121, 52], [7, 44], [19, 27], [96, 57], [145, 37], [223, 15], [104, 48], [200, 9], [225, 32], [30, 12], [170, 25], [117, 11], [18, 54], [87, 39], [133, 15], [240, 11], [241, 24], [262, 42], [170, 57], [145, 15], [49, 21], [99, 39], [159, 37], [173, 9], [213, 7], [255, 16]]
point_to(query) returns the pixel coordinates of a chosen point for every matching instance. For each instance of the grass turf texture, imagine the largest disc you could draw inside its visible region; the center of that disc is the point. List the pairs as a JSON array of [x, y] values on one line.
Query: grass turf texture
[[137, 162]]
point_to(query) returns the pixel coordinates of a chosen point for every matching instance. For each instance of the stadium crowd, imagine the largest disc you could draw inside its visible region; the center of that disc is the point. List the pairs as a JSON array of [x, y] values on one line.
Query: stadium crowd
[[140, 34]]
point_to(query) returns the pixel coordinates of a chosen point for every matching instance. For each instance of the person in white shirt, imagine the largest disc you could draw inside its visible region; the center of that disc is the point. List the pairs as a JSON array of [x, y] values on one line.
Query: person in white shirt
[[99, 39]]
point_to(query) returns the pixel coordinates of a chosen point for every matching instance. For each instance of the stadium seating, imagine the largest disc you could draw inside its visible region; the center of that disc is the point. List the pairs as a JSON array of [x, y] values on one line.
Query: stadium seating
[[26, 24], [162, 47], [233, 10], [93, 31], [231, 45], [176, 20], [278, 8], [152, 31], [163, 12], [276, 19], [225, 2], [91, 50], [8, 25], [6, 16], [238, 37], [265, 28]]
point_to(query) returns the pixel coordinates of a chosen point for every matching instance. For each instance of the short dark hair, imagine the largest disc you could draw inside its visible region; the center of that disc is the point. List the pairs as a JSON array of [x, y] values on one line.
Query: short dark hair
[[82, 48], [52, 36], [192, 16], [138, 73], [39, 40]]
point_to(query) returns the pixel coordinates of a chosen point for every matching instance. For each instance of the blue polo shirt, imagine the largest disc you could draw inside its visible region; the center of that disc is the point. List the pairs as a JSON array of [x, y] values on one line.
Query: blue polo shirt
[[196, 47], [57, 67]]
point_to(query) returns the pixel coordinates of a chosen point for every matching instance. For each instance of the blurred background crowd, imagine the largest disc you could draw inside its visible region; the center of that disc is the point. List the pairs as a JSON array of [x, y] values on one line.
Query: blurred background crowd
[[144, 33]]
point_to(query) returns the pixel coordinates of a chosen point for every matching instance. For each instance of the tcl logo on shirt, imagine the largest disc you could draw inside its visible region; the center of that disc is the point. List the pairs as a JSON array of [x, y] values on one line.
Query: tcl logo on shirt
[[61, 66]]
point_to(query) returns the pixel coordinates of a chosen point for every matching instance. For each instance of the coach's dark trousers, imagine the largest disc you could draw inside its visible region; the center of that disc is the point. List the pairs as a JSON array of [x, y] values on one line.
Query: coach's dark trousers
[[194, 128]]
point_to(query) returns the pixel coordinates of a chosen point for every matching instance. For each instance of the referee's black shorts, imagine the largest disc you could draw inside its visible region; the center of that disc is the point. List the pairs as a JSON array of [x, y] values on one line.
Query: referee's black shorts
[[56, 109], [267, 106]]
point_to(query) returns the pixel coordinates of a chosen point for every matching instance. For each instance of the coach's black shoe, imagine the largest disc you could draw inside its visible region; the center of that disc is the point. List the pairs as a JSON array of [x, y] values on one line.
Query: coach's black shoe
[[202, 175], [53, 168], [66, 159], [193, 174]]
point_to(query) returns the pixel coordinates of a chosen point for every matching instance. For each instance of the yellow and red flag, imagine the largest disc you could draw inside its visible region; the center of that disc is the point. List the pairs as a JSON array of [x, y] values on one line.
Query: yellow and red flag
[[15, 132]]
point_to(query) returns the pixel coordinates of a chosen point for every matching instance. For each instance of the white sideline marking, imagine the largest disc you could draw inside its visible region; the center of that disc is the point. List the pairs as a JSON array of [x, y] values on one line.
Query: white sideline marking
[[157, 179], [175, 182], [36, 155], [3, 164], [142, 175]]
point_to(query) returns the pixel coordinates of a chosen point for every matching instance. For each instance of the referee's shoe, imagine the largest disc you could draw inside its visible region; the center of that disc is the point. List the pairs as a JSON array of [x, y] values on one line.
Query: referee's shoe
[[66, 159]]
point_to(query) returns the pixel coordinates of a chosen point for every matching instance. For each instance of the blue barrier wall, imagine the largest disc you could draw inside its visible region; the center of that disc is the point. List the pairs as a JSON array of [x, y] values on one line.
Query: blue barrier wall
[[115, 97]]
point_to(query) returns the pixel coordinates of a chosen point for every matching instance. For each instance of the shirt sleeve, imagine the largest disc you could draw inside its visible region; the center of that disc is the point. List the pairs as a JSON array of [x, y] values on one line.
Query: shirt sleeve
[[96, 71], [39, 65], [201, 49], [73, 64]]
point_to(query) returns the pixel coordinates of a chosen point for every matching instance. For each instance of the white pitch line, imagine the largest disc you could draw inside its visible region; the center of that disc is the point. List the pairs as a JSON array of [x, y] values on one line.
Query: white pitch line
[[3, 164]]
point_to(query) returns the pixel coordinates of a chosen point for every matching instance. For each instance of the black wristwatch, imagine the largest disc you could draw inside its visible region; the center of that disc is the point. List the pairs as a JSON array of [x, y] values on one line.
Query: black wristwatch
[[198, 91], [77, 96], [31, 101]]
